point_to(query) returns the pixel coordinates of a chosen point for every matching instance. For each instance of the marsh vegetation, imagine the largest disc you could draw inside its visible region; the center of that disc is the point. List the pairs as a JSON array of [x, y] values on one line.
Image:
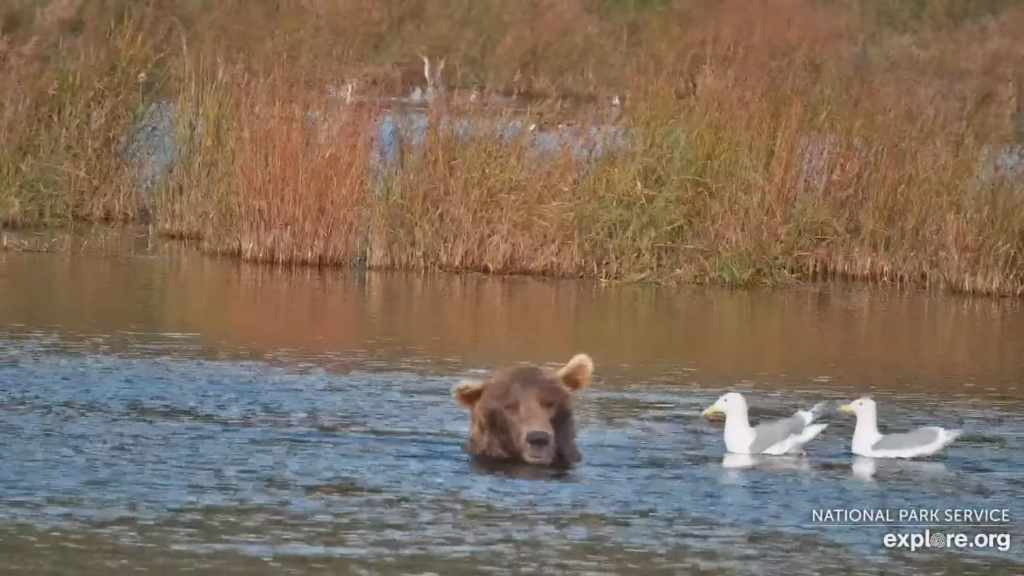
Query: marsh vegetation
[[765, 143]]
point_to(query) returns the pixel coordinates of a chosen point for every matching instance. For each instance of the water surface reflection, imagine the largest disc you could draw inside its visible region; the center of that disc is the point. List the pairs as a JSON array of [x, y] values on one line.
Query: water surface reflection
[[173, 411]]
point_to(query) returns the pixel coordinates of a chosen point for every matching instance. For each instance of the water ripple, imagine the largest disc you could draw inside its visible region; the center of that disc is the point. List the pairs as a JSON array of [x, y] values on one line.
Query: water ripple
[[299, 468]]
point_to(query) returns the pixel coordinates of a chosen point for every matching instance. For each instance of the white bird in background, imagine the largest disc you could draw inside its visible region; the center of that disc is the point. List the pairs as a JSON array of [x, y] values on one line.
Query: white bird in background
[[435, 90]]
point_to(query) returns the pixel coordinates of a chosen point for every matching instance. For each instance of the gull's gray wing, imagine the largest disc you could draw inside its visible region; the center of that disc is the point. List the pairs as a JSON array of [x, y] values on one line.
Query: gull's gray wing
[[906, 440], [769, 434]]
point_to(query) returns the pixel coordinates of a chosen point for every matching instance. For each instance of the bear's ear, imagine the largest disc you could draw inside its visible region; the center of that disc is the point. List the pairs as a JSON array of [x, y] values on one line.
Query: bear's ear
[[576, 374], [467, 392]]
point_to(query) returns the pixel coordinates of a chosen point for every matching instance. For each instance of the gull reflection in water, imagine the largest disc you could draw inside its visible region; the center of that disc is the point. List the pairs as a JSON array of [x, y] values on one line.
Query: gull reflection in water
[[780, 463], [866, 467]]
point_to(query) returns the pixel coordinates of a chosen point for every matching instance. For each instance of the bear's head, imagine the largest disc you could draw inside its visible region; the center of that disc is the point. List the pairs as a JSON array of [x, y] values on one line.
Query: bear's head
[[525, 414]]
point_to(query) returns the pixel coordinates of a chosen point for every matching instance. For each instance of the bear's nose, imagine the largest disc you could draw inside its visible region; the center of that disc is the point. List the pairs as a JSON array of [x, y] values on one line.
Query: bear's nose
[[538, 439]]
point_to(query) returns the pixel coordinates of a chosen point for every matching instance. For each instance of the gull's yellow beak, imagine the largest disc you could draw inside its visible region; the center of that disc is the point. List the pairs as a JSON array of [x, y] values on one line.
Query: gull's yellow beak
[[846, 408], [711, 410]]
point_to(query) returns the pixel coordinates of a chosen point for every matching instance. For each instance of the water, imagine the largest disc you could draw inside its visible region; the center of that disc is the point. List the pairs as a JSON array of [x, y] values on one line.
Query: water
[[166, 411], [152, 145]]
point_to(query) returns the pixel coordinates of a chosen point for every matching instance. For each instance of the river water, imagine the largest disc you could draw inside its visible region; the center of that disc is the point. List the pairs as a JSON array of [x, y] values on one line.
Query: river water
[[167, 411]]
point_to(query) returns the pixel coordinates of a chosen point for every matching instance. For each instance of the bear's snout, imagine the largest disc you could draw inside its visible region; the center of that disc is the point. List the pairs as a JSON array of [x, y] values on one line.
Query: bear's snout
[[538, 446], [538, 439]]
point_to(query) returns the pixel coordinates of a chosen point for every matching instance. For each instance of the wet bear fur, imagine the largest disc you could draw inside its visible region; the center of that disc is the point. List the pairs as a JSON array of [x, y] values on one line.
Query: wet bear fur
[[525, 414]]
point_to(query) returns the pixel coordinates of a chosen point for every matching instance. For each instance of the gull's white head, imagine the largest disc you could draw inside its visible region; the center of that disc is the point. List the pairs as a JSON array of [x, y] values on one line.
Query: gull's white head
[[861, 407], [731, 403]]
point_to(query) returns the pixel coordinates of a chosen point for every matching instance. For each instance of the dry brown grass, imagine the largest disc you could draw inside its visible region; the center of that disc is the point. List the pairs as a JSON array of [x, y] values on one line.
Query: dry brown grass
[[777, 141], [269, 184]]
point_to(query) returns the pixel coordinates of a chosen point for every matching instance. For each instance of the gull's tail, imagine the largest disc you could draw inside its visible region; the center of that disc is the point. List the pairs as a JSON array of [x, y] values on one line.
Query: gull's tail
[[810, 432], [805, 436], [813, 413], [948, 436]]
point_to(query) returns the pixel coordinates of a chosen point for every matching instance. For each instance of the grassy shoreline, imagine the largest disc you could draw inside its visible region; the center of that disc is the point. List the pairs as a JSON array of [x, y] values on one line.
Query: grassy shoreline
[[805, 140]]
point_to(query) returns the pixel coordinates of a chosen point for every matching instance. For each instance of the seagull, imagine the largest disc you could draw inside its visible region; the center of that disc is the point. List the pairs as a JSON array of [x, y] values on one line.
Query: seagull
[[777, 437], [868, 441]]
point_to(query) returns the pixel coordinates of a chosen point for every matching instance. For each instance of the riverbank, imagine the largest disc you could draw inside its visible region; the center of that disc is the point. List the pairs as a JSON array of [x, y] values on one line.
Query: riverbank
[[807, 141]]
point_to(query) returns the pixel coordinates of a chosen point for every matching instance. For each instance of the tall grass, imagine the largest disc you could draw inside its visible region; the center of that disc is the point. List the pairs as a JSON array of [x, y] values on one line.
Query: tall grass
[[772, 142]]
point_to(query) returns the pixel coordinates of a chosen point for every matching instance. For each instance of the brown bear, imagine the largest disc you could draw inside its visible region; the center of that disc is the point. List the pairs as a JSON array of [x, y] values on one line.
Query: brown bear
[[525, 414]]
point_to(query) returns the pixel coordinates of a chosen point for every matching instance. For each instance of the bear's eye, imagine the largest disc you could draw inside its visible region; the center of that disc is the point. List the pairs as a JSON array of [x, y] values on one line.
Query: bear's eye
[[512, 406], [547, 404]]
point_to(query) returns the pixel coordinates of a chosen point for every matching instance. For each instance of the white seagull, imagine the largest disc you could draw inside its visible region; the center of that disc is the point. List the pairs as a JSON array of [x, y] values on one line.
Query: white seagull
[[777, 437], [868, 441]]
